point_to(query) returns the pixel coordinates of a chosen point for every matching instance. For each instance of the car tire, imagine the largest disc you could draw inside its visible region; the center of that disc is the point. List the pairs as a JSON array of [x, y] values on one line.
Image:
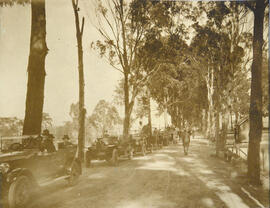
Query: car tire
[[74, 174], [114, 159], [20, 193]]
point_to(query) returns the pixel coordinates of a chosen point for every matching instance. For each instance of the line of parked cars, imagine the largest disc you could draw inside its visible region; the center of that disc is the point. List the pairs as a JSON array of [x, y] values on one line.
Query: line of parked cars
[[30, 162], [110, 148]]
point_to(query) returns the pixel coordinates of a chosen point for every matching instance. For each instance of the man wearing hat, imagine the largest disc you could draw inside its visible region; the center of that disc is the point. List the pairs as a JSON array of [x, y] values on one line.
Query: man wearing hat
[[48, 141], [66, 141]]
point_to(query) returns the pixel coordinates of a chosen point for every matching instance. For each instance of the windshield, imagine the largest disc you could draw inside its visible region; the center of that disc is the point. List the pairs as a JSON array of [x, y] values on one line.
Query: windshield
[[109, 140]]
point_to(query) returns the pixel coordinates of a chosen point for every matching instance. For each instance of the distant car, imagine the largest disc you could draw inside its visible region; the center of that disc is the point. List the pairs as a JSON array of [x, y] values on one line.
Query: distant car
[[138, 144], [105, 148], [24, 168], [165, 137]]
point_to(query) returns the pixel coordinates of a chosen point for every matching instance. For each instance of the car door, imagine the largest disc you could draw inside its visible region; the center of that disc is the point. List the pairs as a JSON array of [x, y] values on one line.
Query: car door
[[43, 166]]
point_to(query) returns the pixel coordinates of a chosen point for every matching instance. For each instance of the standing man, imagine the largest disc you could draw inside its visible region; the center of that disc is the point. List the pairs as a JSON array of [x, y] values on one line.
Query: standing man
[[186, 140]]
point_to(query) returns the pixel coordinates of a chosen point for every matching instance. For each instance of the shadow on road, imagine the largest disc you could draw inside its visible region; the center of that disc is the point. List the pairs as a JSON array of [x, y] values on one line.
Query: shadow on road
[[164, 179]]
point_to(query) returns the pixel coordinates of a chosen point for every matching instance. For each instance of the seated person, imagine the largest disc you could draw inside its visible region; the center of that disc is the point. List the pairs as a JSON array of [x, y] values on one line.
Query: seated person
[[48, 141], [100, 144], [65, 142]]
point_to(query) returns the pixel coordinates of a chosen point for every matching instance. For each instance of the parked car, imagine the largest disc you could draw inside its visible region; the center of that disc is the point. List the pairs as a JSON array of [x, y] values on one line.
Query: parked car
[[25, 167], [165, 138], [105, 148], [138, 144]]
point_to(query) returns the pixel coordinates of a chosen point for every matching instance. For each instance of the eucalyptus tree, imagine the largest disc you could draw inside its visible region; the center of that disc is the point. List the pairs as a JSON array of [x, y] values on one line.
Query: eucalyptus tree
[[105, 117], [258, 8], [36, 69], [122, 26], [82, 110], [36, 65], [228, 81]]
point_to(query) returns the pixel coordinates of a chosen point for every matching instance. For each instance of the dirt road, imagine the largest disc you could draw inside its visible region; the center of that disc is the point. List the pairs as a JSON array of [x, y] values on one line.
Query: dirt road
[[164, 179]]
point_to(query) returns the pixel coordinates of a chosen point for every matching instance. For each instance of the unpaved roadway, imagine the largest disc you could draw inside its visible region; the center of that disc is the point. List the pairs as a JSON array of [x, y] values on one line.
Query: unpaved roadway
[[164, 179]]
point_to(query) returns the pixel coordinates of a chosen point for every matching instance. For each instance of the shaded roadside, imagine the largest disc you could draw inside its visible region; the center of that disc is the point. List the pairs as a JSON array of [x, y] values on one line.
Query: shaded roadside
[[164, 179]]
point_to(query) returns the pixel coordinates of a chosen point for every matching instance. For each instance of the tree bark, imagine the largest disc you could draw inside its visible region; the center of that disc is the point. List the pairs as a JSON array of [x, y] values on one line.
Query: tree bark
[[210, 93], [217, 132], [36, 70], [255, 113], [82, 111], [127, 110], [149, 114]]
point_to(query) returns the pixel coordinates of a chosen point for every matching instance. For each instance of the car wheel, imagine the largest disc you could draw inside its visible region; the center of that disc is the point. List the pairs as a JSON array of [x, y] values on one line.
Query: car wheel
[[20, 192], [114, 159], [74, 174]]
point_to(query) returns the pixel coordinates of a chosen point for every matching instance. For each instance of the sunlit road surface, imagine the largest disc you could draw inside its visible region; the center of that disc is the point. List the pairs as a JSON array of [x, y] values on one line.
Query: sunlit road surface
[[164, 179]]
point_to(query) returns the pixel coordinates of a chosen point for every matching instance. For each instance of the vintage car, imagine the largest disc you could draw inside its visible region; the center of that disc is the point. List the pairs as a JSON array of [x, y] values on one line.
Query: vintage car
[[25, 167], [125, 147], [105, 148], [138, 144], [157, 139]]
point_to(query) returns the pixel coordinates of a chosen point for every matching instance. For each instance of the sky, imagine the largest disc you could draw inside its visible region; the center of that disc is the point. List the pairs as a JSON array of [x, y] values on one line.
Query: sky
[[61, 84]]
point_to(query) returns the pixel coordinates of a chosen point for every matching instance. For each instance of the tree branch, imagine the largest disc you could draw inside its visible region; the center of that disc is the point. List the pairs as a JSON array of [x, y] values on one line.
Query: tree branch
[[82, 27]]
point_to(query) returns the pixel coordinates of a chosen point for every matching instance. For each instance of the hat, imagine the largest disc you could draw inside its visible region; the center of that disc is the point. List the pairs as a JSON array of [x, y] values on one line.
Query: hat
[[45, 132], [65, 137]]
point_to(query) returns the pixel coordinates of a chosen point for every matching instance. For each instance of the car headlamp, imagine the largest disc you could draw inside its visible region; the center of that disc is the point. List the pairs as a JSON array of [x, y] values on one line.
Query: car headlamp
[[4, 167]]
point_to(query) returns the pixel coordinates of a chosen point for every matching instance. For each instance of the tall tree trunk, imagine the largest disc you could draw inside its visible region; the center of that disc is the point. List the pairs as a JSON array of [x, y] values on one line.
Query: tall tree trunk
[[179, 120], [127, 110], [36, 70], [217, 132], [149, 114], [165, 117], [82, 111], [203, 122], [165, 113], [210, 92], [255, 113]]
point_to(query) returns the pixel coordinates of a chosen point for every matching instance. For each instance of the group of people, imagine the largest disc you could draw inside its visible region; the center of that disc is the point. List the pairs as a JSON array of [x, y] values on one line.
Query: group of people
[[48, 144]]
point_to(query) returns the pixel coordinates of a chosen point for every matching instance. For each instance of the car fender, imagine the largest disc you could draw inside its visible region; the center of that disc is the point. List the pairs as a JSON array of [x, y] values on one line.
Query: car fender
[[15, 173]]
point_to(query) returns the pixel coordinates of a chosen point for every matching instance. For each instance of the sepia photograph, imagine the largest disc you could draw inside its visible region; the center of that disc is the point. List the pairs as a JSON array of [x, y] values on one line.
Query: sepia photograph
[[134, 104]]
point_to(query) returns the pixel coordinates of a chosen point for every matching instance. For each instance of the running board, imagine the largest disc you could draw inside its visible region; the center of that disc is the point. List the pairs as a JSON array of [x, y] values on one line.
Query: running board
[[54, 180]]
